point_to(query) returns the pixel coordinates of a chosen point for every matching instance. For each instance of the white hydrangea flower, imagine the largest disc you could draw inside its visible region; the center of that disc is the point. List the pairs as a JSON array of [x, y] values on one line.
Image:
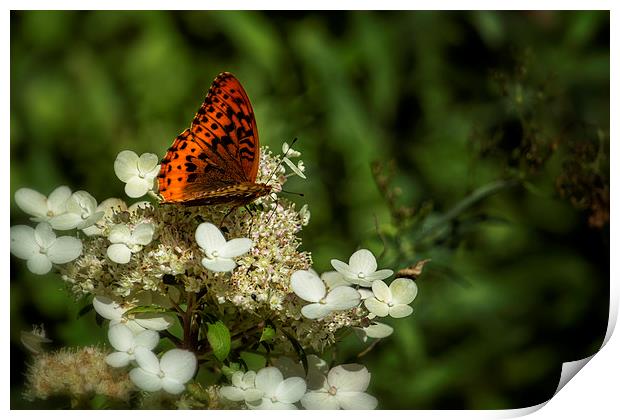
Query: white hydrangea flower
[[127, 241], [308, 286], [375, 330], [108, 207], [123, 339], [343, 387], [362, 268], [138, 173], [44, 209], [219, 253], [40, 247], [175, 368], [81, 212], [394, 300], [298, 168], [113, 311], [243, 387], [278, 393]]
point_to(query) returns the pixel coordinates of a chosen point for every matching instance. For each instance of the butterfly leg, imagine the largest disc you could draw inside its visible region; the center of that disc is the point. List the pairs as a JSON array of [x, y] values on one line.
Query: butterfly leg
[[232, 208], [251, 218]]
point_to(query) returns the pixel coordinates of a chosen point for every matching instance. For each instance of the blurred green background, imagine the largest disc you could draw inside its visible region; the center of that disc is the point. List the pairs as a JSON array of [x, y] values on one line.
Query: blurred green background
[[452, 101]]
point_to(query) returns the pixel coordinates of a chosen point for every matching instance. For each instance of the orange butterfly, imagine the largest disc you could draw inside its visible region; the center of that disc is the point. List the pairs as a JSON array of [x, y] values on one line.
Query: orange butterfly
[[215, 161]]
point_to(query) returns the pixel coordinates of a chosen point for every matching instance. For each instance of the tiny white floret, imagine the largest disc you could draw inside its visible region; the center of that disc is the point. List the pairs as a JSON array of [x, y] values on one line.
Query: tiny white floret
[[307, 285], [41, 248], [278, 393], [170, 373], [393, 300], [138, 173], [343, 388], [219, 253], [126, 342], [362, 268]]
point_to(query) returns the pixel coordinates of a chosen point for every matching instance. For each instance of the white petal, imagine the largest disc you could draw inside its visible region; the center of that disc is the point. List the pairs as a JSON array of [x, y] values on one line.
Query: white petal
[[381, 291], [403, 291], [147, 339], [379, 275], [136, 187], [143, 234], [107, 308], [365, 293], [179, 364], [291, 390], [65, 249], [363, 261], [268, 379], [342, 297], [57, 201], [376, 307], [232, 393], [172, 386], [147, 360], [319, 401], [90, 220], [145, 380], [356, 401], [23, 244], [400, 311], [294, 167], [118, 359], [253, 394], [65, 221], [121, 337], [219, 264], [378, 330], [119, 253], [262, 404], [248, 379], [349, 377], [308, 286], [126, 165], [237, 379], [315, 311], [334, 279], [81, 202], [154, 322], [44, 235], [150, 175], [39, 264], [344, 269], [235, 248], [119, 234], [31, 202], [209, 237], [147, 162]]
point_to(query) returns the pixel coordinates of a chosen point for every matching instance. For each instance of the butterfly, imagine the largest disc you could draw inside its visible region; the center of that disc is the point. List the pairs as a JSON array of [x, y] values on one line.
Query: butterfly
[[215, 161]]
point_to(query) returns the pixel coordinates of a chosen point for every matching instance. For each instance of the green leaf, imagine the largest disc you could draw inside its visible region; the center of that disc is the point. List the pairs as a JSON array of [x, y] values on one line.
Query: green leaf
[[219, 339], [86, 309], [268, 333]]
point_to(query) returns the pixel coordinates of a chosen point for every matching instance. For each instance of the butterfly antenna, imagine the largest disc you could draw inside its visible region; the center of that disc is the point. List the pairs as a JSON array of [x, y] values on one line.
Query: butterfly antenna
[[281, 160], [291, 192]]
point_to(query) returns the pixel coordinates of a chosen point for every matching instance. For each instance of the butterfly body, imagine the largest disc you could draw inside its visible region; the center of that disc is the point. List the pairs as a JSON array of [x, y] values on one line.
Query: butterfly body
[[216, 160]]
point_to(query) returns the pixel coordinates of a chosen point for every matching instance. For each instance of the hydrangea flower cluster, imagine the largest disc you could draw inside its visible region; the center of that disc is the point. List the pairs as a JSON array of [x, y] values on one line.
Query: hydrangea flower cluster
[[181, 287]]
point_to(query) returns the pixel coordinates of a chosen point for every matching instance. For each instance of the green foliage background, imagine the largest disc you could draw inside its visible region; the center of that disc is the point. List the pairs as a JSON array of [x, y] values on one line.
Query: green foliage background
[[519, 281]]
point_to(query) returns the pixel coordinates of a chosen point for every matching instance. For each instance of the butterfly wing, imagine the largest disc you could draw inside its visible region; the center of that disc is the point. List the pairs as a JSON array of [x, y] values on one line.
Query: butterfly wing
[[219, 150]]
